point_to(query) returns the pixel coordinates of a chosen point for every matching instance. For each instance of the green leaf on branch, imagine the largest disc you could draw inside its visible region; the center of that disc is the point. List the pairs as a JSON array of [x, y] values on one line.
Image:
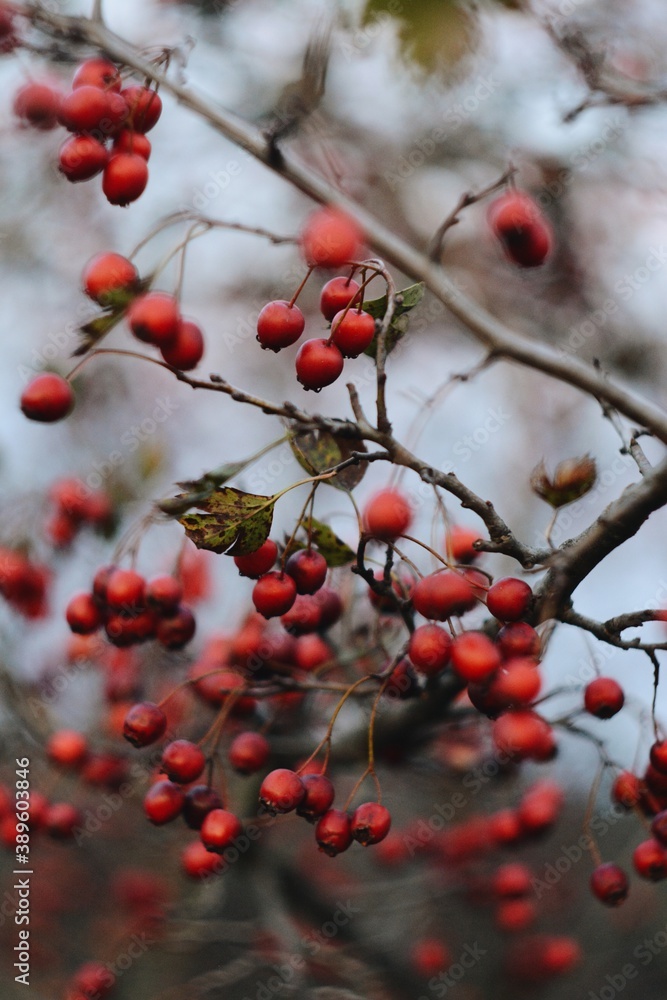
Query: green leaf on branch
[[319, 451], [405, 302], [334, 549], [233, 522], [200, 489]]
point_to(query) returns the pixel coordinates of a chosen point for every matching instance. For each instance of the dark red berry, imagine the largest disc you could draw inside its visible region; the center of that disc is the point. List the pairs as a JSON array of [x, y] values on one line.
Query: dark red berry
[[387, 515], [154, 318], [279, 325], [47, 398], [174, 631], [163, 802], [187, 349], [125, 178], [61, 820], [249, 752], [82, 157], [145, 107], [107, 275], [83, 614], [97, 73], [258, 562], [509, 599], [443, 594], [430, 649], [199, 802], [474, 656], [274, 594], [352, 332], [337, 294], [610, 884], [650, 860], [522, 229], [370, 823], [319, 796], [333, 832], [318, 364], [38, 104], [604, 697], [308, 569], [182, 761], [126, 590], [281, 791], [144, 724], [164, 593], [128, 141], [198, 862], [658, 755], [518, 639], [86, 109], [220, 829]]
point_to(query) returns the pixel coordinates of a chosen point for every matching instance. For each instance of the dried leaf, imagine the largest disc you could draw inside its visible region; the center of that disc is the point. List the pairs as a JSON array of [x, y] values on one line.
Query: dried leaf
[[234, 522], [573, 479], [319, 451], [334, 549]]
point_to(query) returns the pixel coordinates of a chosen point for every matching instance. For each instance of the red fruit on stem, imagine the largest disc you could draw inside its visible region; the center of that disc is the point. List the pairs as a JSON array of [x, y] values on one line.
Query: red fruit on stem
[[333, 832], [274, 594], [249, 752], [610, 884], [61, 820], [352, 332], [658, 755], [337, 294], [443, 594], [87, 109], [319, 796], [430, 649], [128, 141], [108, 274], [81, 158], [199, 801], [459, 542], [145, 108], [650, 860], [144, 724], [387, 515], [83, 614], [38, 104], [279, 325], [330, 238], [258, 562], [154, 318], [125, 590], [509, 599], [187, 349], [67, 747], [604, 697], [308, 569], [370, 823], [318, 364], [125, 178], [198, 862], [626, 789], [182, 761], [281, 791], [220, 829], [164, 593], [99, 73], [47, 398], [522, 229], [174, 631], [163, 802]]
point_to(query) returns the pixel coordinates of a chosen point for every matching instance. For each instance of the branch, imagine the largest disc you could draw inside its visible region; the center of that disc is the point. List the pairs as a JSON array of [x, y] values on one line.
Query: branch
[[498, 338], [610, 630]]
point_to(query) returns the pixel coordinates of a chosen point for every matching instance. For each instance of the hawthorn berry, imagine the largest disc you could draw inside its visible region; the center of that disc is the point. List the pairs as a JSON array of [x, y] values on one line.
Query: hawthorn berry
[[83, 614], [338, 294], [186, 350], [98, 72], [199, 801], [128, 141], [308, 569], [198, 862], [540, 807], [333, 832], [145, 108], [517, 683], [249, 752], [281, 791], [522, 229], [164, 593], [352, 332], [430, 956], [93, 979], [144, 724], [318, 364], [163, 802], [518, 639], [330, 238], [38, 104], [174, 630], [274, 594], [610, 884], [319, 796], [61, 819], [258, 562], [626, 789], [387, 515], [82, 157], [512, 880], [108, 274], [87, 108], [521, 733], [47, 398], [125, 178], [459, 542], [650, 860], [154, 318], [125, 590], [430, 649], [604, 697], [182, 761], [279, 325], [513, 915], [440, 595], [658, 756], [509, 599], [219, 829], [370, 823], [67, 747]]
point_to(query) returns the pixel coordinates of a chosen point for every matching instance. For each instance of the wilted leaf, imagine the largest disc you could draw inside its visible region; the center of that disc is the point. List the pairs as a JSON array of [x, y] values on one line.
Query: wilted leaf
[[406, 300], [333, 548], [319, 451], [234, 522], [200, 489], [573, 479]]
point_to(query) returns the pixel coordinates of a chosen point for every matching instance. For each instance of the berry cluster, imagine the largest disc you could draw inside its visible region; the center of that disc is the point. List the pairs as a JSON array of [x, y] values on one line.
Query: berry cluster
[[75, 505], [23, 583]]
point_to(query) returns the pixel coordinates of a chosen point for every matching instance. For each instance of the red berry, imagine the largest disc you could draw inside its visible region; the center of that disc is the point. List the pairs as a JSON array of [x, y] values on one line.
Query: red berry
[[518, 639], [164, 593], [650, 860], [443, 594], [128, 141], [83, 614], [258, 562], [144, 724], [429, 957], [318, 364], [370, 823], [523, 734], [38, 104], [659, 827], [187, 349], [512, 880], [199, 802], [319, 796], [338, 294], [540, 807], [86, 109], [163, 802], [220, 829], [279, 324], [304, 617], [604, 697], [182, 761], [387, 515], [249, 752], [198, 862], [125, 178], [81, 158], [626, 789], [93, 980], [97, 73], [308, 569], [274, 594], [352, 332], [514, 915], [333, 832], [430, 649], [658, 755], [101, 582], [610, 884], [518, 683], [145, 107], [47, 398], [108, 274], [509, 599], [174, 631], [459, 542], [154, 318], [521, 228], [61, 820], [281, 791], [330, 238], [67, 747], [126, 590]]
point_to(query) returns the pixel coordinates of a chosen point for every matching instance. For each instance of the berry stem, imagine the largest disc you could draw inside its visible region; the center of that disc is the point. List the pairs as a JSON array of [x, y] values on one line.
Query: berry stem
[[300, 288]]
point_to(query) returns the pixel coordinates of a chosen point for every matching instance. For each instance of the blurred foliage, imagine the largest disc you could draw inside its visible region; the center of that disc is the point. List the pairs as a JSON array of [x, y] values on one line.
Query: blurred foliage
[[435, 34]]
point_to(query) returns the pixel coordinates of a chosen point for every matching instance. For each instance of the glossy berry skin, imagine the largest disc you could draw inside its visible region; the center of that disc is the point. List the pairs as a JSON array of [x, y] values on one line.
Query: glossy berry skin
[[333, 832], [474, 656], [610, 884], [370, 823], [658, 756], [163, 802], [154, 318], [187, 349], [164, 593], [108, 274], [174, 631], [443, 594], [650, 860], [220, 829], [318, 364], [259, 562], [126, 590], [83, 614], [279, 325], [128, 141], [387, 515], [249, 752], [319, 796], [338, 294], [198, 803], [182, 761], [144, 724], [509, 599], [67, 747], [518, 639], [517, 683], [604, 697], [81, 158], [330, 238], [523, 734], [352, 332], [274, 594], [125, 178], [281, 791], [47, 398], [145, 108], [38, 105], [99, 73], [198, 862], [525, 234], [308, 569], [85, 109], [430, 649]]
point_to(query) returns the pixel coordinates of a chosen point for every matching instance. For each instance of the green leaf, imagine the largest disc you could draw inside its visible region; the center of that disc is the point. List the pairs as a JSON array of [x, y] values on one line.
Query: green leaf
[[434, 34], [234, 522], [405, 302], [319, 451], [334, 550]]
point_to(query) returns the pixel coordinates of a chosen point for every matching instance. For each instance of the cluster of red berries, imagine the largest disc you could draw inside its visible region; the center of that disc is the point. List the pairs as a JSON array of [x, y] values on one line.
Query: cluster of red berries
[[75, 505], [131, 610], [522, 228], [98, 111], [57, 819], [23, 583]]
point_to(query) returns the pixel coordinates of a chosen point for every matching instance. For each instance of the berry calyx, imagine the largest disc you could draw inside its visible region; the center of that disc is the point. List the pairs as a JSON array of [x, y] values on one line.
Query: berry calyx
[[338, 294], [387, 515], [370, 823], [318, 364], [279, 325], [47, 398], [604, 697], [281, 791], [352, 332]]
